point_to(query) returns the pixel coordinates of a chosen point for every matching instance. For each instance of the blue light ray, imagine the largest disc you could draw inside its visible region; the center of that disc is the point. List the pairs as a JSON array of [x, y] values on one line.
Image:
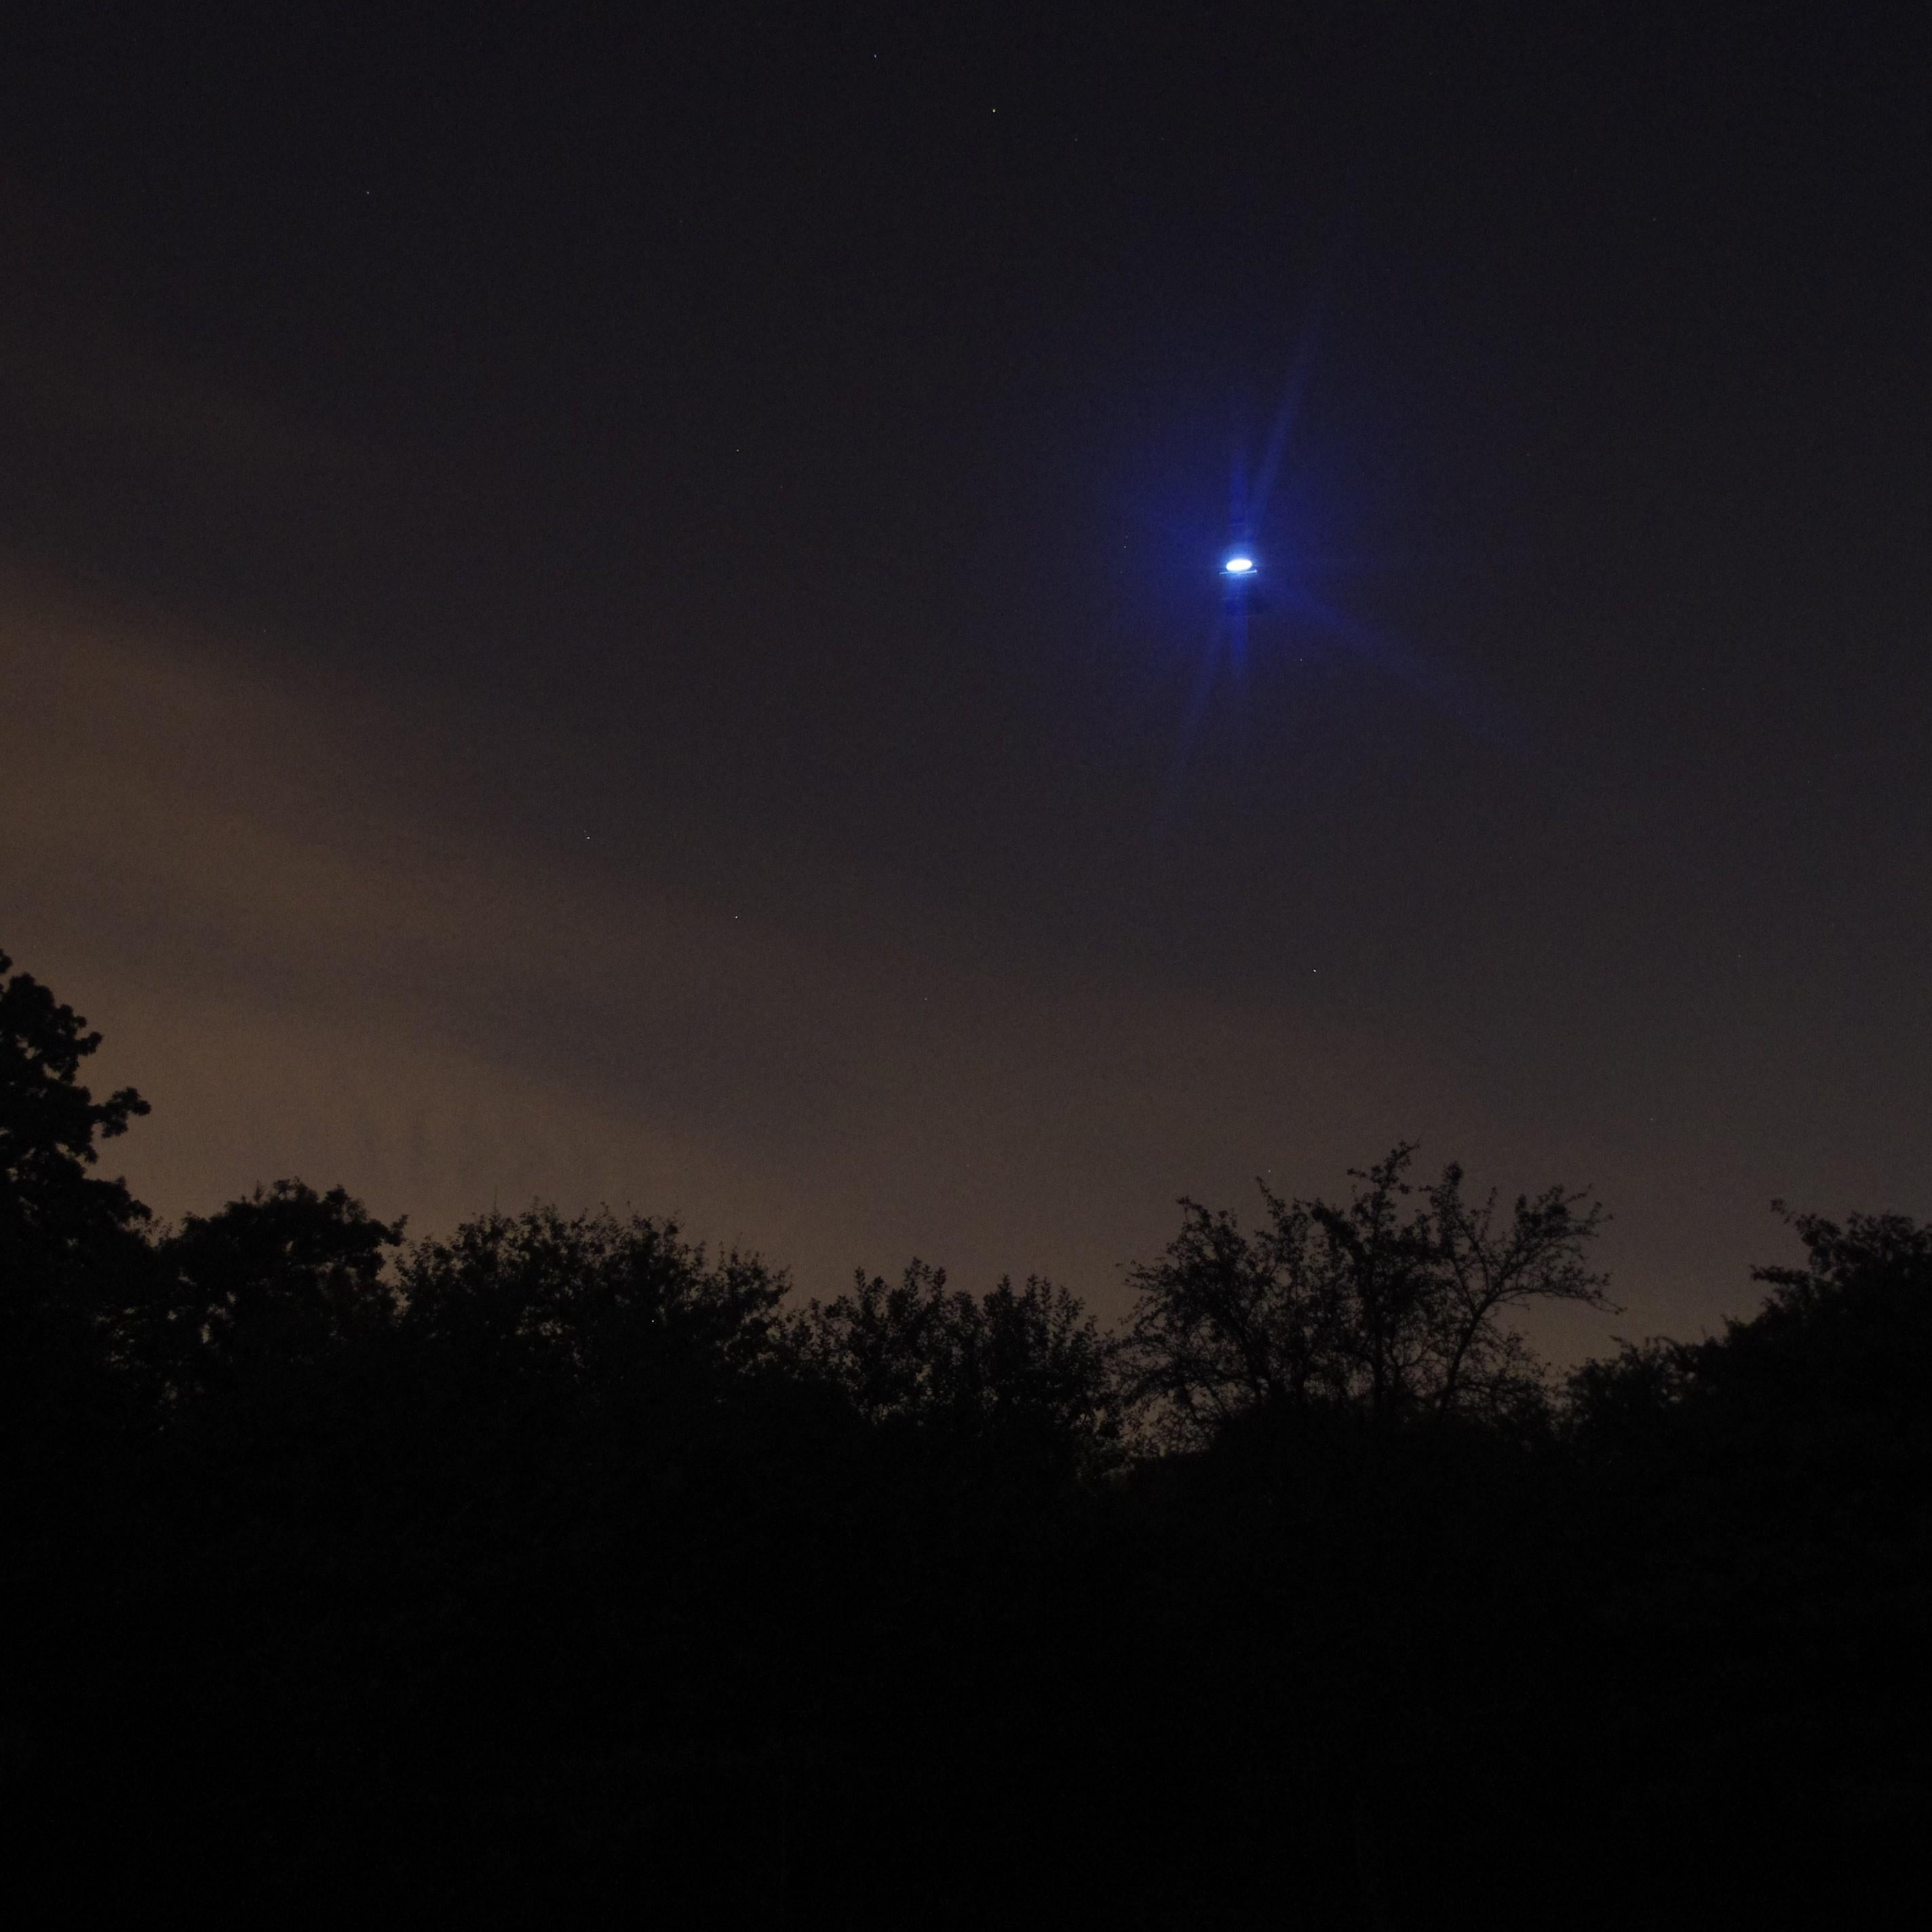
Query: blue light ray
[[1450, 694], [1290, 407]]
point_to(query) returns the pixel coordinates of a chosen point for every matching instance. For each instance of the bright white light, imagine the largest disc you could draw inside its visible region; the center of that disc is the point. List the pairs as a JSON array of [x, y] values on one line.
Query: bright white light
[[1238, 566]]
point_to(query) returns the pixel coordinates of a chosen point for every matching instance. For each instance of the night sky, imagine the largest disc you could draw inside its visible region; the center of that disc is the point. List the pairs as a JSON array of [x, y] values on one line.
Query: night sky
[[623, 606]]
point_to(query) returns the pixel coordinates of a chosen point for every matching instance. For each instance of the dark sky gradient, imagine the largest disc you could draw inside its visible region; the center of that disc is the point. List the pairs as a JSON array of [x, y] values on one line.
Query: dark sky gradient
[[615, 611]]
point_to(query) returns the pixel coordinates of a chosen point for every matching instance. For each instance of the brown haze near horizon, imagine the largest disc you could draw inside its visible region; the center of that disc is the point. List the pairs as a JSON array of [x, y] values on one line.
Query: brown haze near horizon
[[275, 906]]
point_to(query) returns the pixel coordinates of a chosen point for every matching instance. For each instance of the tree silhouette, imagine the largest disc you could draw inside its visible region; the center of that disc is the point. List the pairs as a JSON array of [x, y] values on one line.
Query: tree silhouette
[[1026, 1368], [68, 1239], [1365, 1309], [612, 1310], [271, 1286], [1839, 1345]]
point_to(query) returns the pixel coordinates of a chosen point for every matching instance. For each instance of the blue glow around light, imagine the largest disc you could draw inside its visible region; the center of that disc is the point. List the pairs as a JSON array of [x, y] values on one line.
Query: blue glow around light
[[1238, 566]]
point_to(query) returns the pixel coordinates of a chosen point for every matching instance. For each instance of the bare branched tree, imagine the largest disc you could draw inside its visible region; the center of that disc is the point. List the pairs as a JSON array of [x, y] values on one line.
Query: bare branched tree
[[1395, 1305]]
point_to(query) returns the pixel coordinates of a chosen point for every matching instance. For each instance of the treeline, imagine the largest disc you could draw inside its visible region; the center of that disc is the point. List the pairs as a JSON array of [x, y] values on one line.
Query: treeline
[[562, 1570]]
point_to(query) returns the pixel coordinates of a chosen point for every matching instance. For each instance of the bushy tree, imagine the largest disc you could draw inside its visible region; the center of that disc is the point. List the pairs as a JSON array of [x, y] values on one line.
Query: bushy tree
[[69, 1240], [590, 1303], [1025, 1366], [274, 1285], [1851, 1329], [1395, 1305], [1840, 1346]]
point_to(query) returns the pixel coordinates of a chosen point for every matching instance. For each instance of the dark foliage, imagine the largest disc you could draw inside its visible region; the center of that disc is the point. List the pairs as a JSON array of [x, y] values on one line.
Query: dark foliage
[[258, 1299], [1022, 1374], [66, 1237], [559, 1571]]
